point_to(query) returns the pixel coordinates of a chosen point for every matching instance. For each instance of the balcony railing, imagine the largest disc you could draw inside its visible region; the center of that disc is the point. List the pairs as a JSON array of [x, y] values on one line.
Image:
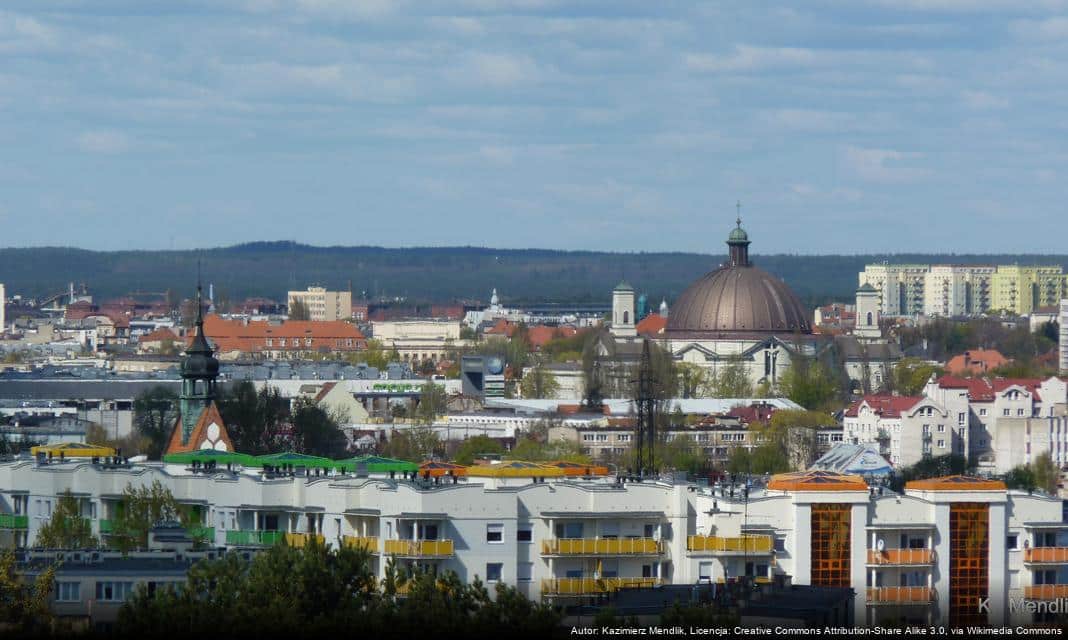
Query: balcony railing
[[361, 542], [253, 538], [12, 521], [1046, 592], [601, 547], [1047, 555], [900, 556], [419, 548], [107, 526], [741, 544], [201, 533], [302, 539], [900, 595], [584, 586]]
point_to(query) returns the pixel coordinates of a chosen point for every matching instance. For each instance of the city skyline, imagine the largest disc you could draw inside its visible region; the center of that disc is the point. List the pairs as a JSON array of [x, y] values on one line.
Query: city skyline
[[918, 126]]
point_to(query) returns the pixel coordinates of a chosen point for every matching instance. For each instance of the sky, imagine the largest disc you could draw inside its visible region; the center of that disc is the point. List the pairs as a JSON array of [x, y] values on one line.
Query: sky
[[841, 126]]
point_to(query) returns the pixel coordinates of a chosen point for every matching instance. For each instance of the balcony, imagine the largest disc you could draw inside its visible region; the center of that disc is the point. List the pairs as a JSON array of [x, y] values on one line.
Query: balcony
[[300, 540], [13, 521], [740, 545], [591, 586], [201, 533], [900, 595], [1046, 592], [602, 547], [1046, 555], [420, 548], [366, 543], [253, 538], [107, 526], [903, 557]]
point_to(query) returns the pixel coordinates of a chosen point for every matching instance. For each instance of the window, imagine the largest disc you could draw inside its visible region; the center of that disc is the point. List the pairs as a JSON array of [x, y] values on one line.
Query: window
[[587, 437], [493, 571], [941, 444], [68, 592], [1005, 412], [982, 412], [495, 533], [113, 591], [780, 544], [524, 534], [960, 418], [524, 572], [941, 428], [1019, 412]]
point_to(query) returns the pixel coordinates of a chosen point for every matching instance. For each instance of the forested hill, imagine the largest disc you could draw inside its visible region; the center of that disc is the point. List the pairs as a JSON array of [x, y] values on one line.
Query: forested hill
[[429, 274]]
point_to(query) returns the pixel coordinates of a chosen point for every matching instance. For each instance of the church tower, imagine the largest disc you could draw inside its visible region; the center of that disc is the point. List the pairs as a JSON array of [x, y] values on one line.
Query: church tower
[[623, 322], [199, 425], [867, 327]]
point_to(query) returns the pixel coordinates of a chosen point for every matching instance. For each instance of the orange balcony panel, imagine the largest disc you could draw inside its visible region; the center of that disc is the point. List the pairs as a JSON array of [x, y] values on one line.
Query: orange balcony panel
[[601, 547], [419, 548], [1049, 555], [1046, 592], [900, 556], [900, 595]]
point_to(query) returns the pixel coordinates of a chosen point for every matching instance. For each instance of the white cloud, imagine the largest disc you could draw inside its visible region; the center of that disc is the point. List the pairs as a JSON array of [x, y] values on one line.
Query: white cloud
[[499, 69], [103, 141], [884, 165], [984, 100], [750, 58], [1055, 28]]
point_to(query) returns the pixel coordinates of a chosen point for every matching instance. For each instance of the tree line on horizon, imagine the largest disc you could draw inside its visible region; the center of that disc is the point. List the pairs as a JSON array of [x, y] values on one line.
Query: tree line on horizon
[[460, 273]]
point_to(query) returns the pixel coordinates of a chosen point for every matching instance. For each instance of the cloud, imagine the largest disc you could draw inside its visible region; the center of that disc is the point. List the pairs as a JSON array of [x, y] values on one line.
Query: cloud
[[1055, 28], [984, 100], [499, 69], [750, 58], [884, 165], [105, 142]]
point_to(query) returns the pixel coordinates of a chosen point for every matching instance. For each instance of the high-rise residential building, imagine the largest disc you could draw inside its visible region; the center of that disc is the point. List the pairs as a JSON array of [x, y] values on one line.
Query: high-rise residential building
[[322, 304], [3, 318], [1064, 336], [1020, 290], [900, 287], [959, 290]]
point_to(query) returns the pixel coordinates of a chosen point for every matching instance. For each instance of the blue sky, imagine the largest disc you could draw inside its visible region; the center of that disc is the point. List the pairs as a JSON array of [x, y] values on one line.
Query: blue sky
[[842, 126]]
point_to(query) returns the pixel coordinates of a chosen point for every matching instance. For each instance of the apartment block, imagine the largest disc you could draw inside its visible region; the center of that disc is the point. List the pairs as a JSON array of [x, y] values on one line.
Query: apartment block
[[323, 305], [900, 287], [1020, 290]]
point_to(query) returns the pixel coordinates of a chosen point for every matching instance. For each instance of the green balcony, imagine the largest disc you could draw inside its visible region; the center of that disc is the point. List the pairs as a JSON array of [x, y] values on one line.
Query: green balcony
[[254, 538], [206, 534], [107, 526], [12, 521]]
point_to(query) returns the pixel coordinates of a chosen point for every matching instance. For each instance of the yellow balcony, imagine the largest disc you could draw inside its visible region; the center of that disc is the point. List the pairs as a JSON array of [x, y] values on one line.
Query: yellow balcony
[[900, 557], [361, 542], [419, 548], [601, 547], [590, 586], [1046, 555], [728, 546], [1046, 592], [900, 595], [302, 539]]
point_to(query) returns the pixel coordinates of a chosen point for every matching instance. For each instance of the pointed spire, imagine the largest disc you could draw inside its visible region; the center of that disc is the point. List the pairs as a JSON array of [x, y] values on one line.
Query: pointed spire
[[738, 207], [200, 302]]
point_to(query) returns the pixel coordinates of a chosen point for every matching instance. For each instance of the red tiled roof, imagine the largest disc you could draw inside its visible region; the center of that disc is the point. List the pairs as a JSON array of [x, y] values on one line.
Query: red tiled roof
[[237, 335], [976, 361], [1031, 384], [652, 325], [199, 433], [752, 413], [979, 390], [158, 335], [884, 405]]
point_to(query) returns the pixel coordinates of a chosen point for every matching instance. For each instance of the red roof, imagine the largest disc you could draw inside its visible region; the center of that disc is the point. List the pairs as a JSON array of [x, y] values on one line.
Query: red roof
[[292, 335], [752, 414], [158, 335], [976, 361], [538, 335], [983, 390], [1031, 384], [652, 325], [884, 405]]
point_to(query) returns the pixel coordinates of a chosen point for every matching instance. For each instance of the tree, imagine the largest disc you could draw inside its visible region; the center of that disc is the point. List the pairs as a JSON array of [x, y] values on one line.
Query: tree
[[1047, 475], [142, 508], [931, 467], [133, 444], [808, 383], [731, 380], [432, 402], [693, 380], [315, 432], [766, 458], [256, 421], [1021, 477], [24, 608], [155, 414], [67, 528], [911, 374], [415, 444], [538, 382], [793, 434], [472, 447], [298, 310]]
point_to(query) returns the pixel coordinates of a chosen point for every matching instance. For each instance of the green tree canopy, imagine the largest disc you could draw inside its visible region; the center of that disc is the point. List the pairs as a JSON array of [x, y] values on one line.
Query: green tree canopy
[[472, 447], [67, 528], [911, 374], [24, 605], [538, 382], [139, 510], [316, 432], [809, 383], [155, 412], [255, 420]]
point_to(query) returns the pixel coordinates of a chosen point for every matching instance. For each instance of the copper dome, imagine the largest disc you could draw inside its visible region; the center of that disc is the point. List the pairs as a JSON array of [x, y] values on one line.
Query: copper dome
[[738, 298]]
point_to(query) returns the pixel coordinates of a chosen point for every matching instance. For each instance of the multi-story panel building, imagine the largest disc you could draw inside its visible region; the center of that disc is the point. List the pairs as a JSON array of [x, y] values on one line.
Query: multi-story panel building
[[1020, 290], [1064, 337], [900, 286], [957, 290], [925, 556], [323, 305]]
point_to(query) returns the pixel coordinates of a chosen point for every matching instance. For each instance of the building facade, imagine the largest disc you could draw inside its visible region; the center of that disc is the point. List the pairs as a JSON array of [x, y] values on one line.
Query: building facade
[[925, 556], [323, 305]]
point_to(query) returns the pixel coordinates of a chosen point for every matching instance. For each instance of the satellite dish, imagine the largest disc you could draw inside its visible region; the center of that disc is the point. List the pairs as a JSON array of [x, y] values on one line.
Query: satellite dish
[[880, 545]]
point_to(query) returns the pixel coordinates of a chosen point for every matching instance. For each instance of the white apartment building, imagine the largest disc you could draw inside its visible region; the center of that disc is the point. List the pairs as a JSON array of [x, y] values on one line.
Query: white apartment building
[[418, 340], [957, 290], [900, 287], [1064, 337], [1009, 422], [323, 305], [906, 428], [3, 304], [571, 540]]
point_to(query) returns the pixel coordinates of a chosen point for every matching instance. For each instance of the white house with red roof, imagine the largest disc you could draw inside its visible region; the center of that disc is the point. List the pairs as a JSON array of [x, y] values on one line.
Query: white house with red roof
[[906, 428]]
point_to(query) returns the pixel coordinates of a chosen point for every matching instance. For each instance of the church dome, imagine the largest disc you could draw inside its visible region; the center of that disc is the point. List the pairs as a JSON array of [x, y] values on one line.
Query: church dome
[[738, 298]]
